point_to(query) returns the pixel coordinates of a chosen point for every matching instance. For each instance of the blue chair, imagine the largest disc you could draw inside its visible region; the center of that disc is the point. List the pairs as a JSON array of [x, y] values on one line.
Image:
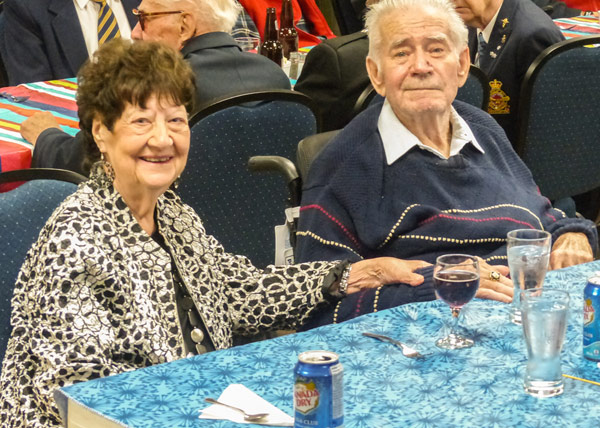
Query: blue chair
[[23, 213], [240, 208], [559, 129], [476, 90]]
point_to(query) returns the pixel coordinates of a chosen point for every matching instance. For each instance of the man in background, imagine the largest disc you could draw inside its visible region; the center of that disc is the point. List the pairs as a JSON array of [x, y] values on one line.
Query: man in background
[[199, 28], [334, 75], [51, 39], [505, 36]]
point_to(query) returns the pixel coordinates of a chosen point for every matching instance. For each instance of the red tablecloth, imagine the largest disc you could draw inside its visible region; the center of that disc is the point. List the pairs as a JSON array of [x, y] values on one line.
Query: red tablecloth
[[579, 26]]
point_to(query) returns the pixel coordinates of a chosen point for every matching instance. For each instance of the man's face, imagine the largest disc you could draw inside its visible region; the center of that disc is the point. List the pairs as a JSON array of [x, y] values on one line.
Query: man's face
[[471, 11], [165, 29], [419, 69]]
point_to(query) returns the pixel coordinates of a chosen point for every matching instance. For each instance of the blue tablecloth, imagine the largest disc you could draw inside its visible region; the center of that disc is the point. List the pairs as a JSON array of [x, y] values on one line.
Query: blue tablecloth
[[479, 386]]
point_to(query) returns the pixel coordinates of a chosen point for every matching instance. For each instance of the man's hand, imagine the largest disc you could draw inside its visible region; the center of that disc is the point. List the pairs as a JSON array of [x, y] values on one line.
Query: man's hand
[[493, 283], [32, 127], [570, 249]]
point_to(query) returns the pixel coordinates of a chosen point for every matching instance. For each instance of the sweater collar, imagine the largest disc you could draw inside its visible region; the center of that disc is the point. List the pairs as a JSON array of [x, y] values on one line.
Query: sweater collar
[[398, 140]]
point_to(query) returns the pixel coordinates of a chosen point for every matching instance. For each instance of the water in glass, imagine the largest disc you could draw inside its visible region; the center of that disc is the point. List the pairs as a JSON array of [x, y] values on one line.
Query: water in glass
[[528, 254], [544, 326]]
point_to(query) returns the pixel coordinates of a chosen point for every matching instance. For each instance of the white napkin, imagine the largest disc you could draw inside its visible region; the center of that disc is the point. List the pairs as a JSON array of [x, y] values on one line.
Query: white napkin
[[239, 396]]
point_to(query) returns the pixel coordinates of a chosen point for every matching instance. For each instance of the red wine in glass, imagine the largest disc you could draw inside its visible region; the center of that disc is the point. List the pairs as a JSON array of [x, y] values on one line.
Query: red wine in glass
[[456, 287], [455, 280]]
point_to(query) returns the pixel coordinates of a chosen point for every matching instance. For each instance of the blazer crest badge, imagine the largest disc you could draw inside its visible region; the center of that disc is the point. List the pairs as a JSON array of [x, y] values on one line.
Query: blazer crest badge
[[498, 99]]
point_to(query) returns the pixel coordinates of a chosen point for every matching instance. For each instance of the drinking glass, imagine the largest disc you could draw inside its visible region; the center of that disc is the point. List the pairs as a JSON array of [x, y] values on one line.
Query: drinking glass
[[544, 324], [455, 280], [528, 253], [248, 44]]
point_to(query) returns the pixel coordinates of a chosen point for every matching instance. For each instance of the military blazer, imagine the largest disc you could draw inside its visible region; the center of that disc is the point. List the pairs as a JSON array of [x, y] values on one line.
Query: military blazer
[[521, 32], [95, 297]]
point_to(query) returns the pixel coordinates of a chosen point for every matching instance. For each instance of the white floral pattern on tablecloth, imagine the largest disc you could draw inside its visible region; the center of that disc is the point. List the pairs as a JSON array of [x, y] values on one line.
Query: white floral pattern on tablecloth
[[480, 386]]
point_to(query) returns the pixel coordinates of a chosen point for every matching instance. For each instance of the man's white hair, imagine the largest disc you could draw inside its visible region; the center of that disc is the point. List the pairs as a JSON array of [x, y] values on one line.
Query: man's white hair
[[458, 30], [218, 15]]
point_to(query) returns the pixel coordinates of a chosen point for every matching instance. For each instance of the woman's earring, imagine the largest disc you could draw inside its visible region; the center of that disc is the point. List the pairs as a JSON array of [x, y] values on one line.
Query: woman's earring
[[108, 168], [176, 182]]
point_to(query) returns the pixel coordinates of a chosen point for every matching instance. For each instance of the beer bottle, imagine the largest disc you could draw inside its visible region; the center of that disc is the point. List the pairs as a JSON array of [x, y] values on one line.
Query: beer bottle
[[271, 48], [288, 36]]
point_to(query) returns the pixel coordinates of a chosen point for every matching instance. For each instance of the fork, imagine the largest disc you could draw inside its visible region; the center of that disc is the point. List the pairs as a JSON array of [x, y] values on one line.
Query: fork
[[407, 351], [248, 417]]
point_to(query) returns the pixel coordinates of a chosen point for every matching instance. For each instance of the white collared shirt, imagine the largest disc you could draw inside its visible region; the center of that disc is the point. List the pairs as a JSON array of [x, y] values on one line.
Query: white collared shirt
[[87, 11], [397, 140], [487, 32]]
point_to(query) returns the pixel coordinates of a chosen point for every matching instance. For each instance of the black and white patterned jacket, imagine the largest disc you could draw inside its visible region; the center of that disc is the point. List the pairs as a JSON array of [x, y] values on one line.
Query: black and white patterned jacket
[[95, 297]]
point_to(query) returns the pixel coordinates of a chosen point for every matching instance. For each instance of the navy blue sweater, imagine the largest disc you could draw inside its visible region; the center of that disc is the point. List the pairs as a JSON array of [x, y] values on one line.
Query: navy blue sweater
[[355, 206]]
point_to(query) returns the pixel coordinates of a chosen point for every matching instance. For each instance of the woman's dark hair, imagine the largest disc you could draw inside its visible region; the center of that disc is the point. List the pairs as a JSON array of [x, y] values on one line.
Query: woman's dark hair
[[123, 72]]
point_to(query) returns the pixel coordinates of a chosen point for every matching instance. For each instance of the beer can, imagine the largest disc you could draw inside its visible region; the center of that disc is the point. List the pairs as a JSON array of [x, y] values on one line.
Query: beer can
[[591, 323], [318, 390]]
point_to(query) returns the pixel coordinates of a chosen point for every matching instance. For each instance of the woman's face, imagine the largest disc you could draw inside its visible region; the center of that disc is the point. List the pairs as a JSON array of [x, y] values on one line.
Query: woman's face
[[148, 147]]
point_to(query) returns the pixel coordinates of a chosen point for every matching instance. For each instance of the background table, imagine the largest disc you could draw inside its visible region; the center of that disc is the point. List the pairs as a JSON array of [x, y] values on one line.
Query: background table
[[17, 103], [479, 386], [579, 26]]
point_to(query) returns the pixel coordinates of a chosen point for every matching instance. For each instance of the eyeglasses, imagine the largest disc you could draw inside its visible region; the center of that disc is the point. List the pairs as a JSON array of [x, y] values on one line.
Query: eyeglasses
[[143, 16]]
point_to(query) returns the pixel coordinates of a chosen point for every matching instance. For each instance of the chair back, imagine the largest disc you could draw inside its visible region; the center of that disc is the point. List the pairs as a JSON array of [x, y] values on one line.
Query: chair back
[[367, 96], [476, 90], [559, 130], [3, 73], [240, 208], [309, 148], [23, 213]]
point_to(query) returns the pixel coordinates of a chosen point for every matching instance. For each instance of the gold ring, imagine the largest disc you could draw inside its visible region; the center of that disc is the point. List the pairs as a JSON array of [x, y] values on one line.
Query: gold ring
[[494, 276]]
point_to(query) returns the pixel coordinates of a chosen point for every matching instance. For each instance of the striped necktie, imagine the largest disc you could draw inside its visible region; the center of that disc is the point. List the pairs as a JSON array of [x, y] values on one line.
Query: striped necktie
[[107, 23], [481, 48]]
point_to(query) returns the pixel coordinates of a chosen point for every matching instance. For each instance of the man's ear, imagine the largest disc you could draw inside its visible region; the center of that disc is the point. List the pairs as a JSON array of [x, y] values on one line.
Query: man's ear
[[187, 28], [464, 63], [376, 76]]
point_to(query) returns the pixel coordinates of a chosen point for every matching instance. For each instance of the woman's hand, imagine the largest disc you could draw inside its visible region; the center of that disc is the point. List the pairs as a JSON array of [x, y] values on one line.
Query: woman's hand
[[570, 249], [373, 273], [493, 283]]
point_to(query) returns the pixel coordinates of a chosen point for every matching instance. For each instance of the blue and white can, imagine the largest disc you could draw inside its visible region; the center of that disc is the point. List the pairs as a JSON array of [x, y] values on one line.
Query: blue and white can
[[591, 323], [318, 390]]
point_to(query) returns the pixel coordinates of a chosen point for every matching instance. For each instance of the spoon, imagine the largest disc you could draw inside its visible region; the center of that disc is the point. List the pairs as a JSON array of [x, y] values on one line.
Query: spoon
[[249, 417]]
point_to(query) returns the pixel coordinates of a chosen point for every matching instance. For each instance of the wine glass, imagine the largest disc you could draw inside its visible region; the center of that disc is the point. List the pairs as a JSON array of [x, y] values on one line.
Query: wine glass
[[455, 280]]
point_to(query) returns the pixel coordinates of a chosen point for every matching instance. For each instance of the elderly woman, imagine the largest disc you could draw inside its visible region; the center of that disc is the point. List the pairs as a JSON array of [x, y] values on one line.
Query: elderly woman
[[123, 275], [420, 176]]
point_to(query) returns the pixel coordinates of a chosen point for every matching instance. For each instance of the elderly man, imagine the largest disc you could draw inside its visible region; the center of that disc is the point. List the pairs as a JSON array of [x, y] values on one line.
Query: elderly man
[[418, 176], [46, 40], [199, 28], [504, 39]]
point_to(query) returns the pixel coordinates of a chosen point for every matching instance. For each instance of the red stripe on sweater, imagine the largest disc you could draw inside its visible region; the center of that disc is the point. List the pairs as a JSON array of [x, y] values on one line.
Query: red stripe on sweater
[[335, 220], [476, 220]]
